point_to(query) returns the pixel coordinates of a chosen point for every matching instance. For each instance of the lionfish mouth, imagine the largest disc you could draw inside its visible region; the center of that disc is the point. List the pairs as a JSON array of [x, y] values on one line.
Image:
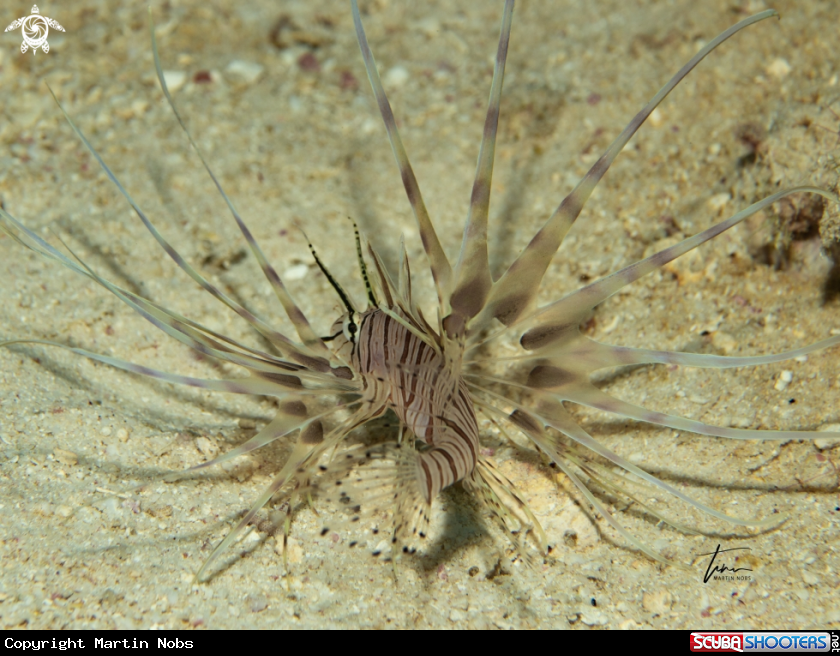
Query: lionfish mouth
[[440, 377]]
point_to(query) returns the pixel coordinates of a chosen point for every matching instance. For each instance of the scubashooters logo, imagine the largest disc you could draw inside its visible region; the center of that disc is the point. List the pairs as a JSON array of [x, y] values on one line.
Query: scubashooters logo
[[761, 641]]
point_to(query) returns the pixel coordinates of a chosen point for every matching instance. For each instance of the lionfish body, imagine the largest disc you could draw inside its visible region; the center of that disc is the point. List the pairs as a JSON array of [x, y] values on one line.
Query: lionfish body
[[410, 375], [438, 378]]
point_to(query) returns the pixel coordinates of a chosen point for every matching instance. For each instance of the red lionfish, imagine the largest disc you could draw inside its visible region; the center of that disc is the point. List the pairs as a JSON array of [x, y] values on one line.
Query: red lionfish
[[436, 375]]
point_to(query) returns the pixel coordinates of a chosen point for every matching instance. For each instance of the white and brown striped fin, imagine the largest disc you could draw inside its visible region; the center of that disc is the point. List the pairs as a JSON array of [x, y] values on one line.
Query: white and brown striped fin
[[296, 352], [438, 262], [287, 375], [539, 424], [510, 511], [404, 278], [472, 272], [514, 293], [377, 489], [290, 416], [299, 476], [296, 316], [382, 282], [571, 310], [535, 430]]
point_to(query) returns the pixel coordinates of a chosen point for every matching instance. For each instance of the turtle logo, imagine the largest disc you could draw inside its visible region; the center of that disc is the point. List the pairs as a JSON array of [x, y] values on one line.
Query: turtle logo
[[35, 29]]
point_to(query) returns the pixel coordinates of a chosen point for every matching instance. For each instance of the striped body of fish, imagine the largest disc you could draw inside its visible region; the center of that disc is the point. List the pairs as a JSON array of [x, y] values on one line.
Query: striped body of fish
[[409, 375]]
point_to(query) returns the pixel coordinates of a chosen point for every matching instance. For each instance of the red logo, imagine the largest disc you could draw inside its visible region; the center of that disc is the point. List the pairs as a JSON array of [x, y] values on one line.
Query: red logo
[[717, 642]]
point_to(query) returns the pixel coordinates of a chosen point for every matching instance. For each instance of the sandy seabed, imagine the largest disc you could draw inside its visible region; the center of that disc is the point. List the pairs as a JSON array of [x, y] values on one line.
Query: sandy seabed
[[288, 122]]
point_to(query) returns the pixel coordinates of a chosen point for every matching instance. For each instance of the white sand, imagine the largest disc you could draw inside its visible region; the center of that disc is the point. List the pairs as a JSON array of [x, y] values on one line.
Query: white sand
[[293, 145]]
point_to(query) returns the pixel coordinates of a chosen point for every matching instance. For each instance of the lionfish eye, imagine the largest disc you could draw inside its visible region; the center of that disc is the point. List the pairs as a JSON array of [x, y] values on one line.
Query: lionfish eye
[[350, 326]]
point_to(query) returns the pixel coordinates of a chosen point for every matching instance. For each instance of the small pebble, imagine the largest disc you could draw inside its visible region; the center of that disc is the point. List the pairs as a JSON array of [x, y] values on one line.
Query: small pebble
[[456, 615], [395, 77], [296, 272], [658, 602], [779, 68], [784, 380], [593, 616], [430, 27], [205, 446], [718, 201], [309, 63], [256, 603], [248, 72], [174, 80], [656, 119], [823, 443], [724, 341], [65, 457]]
